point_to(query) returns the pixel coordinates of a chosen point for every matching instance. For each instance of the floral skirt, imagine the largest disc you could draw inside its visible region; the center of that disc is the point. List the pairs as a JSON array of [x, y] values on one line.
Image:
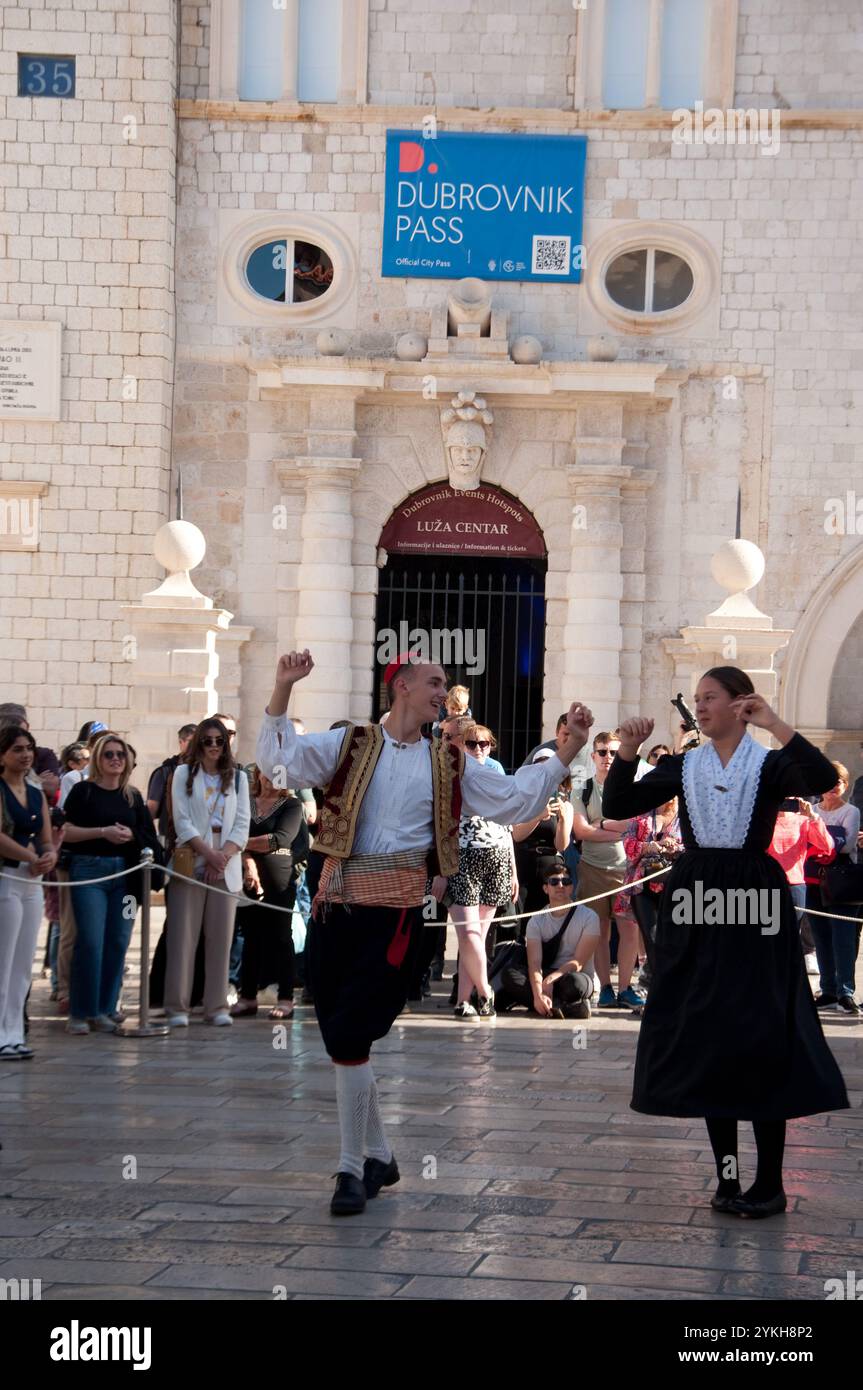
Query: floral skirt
[[484, 876]]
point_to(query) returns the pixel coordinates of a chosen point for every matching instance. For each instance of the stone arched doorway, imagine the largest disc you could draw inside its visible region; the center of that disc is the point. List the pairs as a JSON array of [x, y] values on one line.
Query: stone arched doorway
[[463, 582], [823, 669]]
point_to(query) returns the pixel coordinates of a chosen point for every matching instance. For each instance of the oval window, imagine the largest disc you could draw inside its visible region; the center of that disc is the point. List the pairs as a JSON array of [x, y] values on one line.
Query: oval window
[[289, 271], [649, 281]]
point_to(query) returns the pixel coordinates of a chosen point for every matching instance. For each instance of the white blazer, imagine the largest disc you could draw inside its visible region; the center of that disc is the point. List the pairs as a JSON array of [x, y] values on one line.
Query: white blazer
[[192, 817]]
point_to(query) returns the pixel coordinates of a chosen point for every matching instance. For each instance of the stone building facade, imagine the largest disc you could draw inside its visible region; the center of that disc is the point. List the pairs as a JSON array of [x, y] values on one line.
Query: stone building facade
[[740, 404]]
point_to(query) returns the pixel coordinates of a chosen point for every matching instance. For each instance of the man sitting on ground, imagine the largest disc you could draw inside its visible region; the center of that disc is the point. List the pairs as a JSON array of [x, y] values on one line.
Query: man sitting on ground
[[558, 981]]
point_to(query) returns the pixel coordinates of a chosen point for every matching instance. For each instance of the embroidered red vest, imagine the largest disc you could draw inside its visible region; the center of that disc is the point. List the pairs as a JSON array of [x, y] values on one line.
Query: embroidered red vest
[[361, 748]]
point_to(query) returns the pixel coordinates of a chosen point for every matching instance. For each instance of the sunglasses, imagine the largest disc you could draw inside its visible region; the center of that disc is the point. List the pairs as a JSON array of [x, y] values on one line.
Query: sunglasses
[[559, 882], [605, 752], [477, 743], [115, 753], [213, 742]]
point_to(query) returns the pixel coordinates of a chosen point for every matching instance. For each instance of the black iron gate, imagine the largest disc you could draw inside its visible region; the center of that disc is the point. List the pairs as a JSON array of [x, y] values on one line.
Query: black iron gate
[[487, 613]]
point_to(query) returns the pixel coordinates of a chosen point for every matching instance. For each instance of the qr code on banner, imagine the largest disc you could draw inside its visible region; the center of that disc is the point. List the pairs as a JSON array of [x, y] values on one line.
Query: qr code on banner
[[550, 255]]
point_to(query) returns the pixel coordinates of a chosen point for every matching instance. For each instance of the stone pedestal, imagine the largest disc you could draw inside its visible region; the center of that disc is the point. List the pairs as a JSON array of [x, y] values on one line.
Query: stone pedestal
[[734, 634], [172, 646]]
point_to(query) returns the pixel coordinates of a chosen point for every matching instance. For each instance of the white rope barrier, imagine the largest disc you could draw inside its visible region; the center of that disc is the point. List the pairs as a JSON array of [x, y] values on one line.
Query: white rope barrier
[[243, 901], [79, 883]]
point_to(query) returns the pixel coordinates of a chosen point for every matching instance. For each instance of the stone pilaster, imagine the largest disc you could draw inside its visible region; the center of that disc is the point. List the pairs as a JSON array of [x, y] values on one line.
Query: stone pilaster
[[593, 637], [325, 582]]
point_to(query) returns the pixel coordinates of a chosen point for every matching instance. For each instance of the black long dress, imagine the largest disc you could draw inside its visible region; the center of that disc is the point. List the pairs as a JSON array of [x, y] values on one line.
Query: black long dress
[[730, 1029]]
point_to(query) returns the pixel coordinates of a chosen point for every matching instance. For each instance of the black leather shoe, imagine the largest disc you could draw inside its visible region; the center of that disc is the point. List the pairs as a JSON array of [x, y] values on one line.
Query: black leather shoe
[[719, 1203], [349, 1197], [757, 1210], [377, 1175]]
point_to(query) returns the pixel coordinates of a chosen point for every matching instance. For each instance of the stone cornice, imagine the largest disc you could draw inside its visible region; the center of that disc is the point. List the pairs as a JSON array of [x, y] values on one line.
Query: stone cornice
[[514, 118], [550, 381]]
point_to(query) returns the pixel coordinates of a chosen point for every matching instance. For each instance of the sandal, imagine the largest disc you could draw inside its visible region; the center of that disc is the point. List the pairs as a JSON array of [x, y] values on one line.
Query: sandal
[[243, 1009], [281, 1011]]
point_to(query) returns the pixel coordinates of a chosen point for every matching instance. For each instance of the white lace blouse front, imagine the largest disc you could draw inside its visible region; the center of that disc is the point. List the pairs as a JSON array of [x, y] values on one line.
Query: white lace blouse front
[[720, 800]]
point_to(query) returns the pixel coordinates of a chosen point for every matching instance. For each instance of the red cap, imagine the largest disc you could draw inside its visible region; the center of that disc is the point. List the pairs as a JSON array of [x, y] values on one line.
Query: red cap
[[395, 666]]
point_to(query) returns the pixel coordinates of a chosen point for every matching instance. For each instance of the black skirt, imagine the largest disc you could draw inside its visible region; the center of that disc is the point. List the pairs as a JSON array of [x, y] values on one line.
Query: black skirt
[[730, 1028]]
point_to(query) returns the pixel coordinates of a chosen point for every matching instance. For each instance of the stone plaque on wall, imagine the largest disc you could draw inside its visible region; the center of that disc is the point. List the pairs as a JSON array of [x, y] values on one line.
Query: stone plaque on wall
[[29, 370]]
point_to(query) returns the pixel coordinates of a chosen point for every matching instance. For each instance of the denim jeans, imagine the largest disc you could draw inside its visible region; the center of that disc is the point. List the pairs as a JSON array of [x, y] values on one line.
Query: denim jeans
[[303, 900], [835, 946], [103, 936]]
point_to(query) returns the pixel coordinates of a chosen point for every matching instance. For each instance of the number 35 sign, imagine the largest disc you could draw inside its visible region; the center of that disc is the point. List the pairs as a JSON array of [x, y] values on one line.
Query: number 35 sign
[[44, 75]]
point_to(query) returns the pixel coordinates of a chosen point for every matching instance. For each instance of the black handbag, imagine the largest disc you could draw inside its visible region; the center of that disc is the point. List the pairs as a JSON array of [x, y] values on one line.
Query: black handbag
[[514, 953], [843, 882]]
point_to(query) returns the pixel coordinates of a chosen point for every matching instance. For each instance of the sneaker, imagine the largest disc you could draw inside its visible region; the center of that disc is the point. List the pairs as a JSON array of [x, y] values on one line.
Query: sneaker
[[486, 1007], [629, 998], [464, 1011], [607, 998], [177, 1020], [103, 1024], [811, 962], [221, 1020], [9, 1053], [848, 1004], [826, 1002], [24, 1051], [78, 1026]]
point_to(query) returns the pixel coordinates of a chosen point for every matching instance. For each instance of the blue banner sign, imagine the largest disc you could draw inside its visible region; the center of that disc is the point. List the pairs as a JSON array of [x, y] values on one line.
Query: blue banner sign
[[500, 207]]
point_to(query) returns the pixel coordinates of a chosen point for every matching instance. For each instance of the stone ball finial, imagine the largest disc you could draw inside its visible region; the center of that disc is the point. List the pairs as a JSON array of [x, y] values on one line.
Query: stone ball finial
[[737, 566], [526, 350], [411, 347], [471, 290], [332, 342], [179, 546]]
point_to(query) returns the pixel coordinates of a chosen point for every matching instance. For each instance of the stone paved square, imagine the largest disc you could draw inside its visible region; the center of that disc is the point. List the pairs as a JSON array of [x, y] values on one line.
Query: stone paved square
[[525, 1175]]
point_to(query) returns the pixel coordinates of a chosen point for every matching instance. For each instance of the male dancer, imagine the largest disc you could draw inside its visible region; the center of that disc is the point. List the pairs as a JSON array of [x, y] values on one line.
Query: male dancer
[[392, 803]]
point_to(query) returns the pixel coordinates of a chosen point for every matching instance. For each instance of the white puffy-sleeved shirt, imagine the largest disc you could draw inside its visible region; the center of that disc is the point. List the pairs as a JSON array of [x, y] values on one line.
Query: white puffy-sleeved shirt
[[396, 813]]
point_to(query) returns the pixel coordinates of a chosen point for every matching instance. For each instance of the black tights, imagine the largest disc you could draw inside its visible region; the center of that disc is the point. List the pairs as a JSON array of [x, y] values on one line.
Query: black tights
[[770, 1142]]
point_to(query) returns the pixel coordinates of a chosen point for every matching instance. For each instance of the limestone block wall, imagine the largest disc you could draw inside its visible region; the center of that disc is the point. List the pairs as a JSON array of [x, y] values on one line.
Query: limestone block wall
[[472, 52], [797, 54], [87, 233]]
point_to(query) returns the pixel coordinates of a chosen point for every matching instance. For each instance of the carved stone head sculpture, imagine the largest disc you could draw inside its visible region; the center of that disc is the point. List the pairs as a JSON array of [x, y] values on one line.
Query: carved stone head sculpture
[[465, 424]]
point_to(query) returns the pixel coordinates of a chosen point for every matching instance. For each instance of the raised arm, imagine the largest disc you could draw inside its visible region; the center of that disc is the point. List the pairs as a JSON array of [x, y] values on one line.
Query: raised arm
[[509, 800], [798, 769], [286, 758], [622, 796], [513, 800]]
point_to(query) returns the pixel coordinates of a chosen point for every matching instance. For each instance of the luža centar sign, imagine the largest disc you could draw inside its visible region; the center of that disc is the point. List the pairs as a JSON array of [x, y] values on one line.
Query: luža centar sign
[[500, 207]]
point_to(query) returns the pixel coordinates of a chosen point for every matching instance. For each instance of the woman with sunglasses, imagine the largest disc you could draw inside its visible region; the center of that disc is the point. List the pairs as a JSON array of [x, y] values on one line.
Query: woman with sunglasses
[[211, 813], [486, 880], [27, 853], [107, 824]]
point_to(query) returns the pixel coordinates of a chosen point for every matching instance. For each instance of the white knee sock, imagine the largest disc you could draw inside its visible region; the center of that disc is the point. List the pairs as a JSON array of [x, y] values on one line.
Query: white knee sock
[[360, 1124], [377, 1144], [354, 1087]]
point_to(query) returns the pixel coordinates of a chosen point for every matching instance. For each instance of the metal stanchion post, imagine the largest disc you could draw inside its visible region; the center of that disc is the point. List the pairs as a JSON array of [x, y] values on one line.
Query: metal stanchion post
[[145, 1029]]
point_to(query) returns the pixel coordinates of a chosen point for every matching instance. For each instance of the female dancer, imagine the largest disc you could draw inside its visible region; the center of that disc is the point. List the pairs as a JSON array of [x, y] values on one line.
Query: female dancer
[[730, 1030]]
